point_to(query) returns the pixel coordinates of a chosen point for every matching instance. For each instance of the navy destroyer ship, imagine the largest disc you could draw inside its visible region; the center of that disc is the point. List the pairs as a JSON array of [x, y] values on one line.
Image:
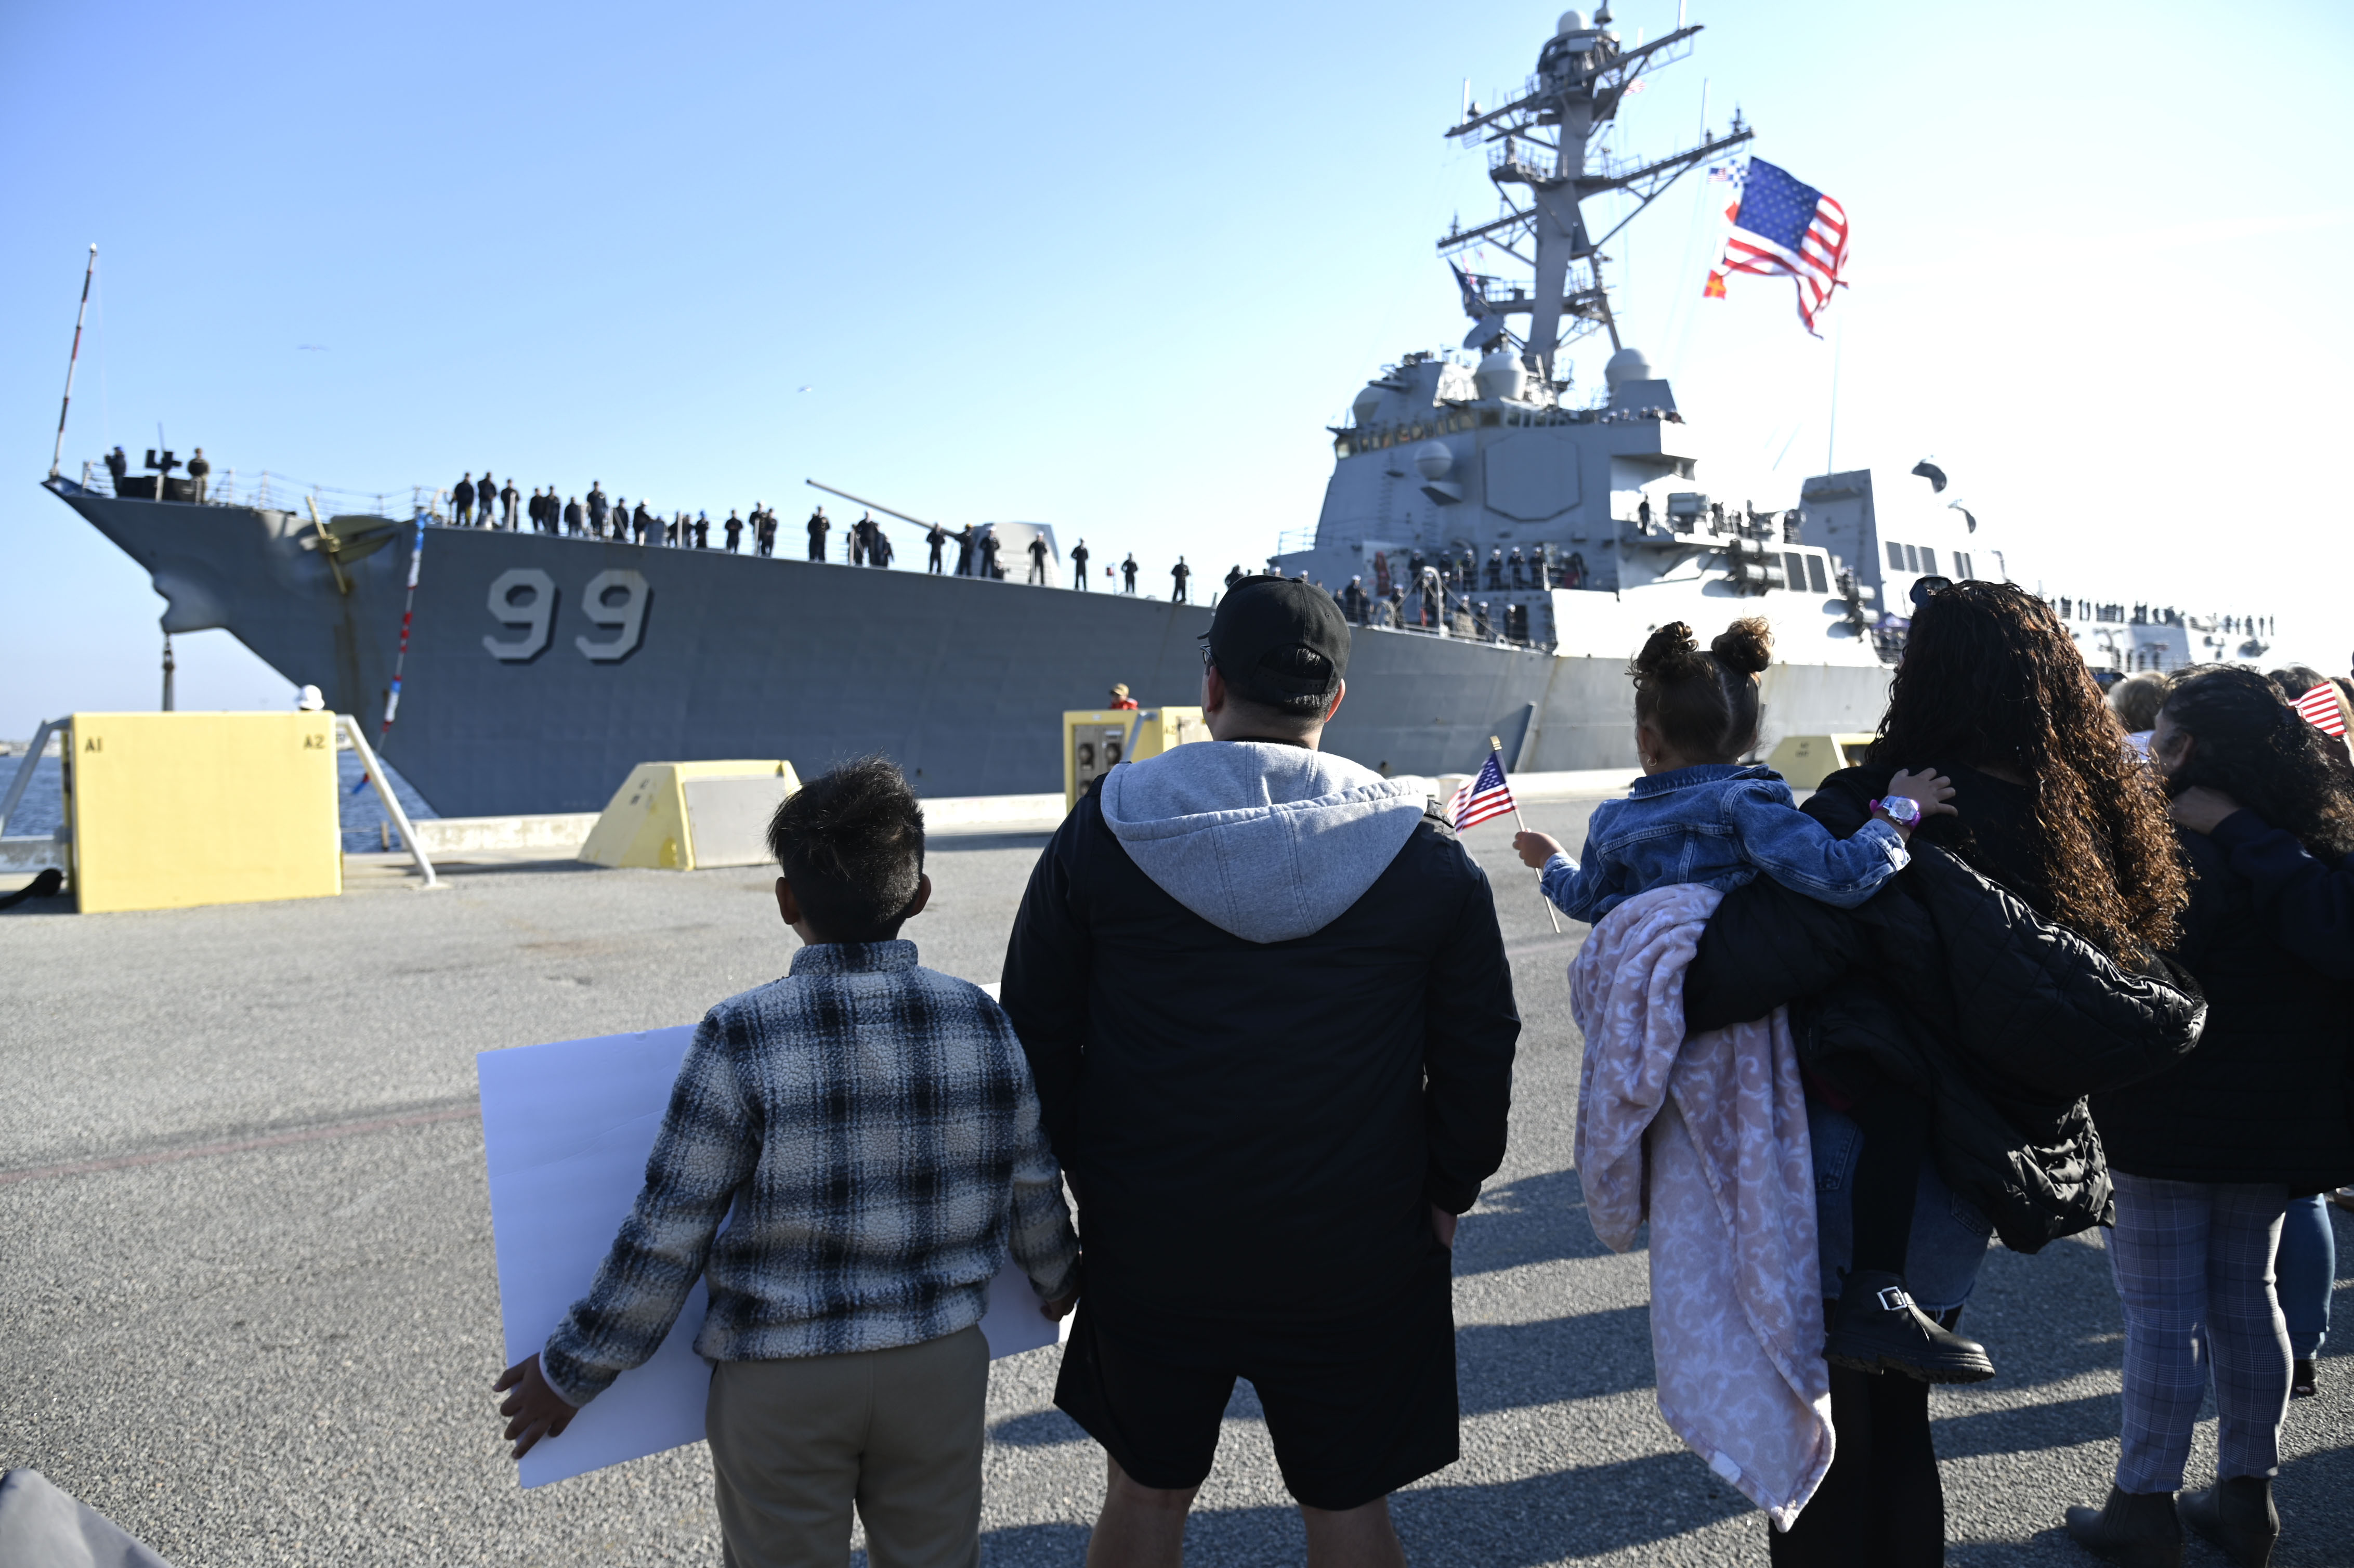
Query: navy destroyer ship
[[540, 668]]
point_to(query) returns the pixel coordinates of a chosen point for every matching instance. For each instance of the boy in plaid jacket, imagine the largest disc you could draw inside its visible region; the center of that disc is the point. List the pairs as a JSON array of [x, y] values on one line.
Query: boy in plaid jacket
[[872, 1126]]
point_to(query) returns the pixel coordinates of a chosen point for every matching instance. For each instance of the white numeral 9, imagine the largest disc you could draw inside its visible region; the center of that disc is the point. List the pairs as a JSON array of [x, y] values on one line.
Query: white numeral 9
[[628, 615], [537, 613]]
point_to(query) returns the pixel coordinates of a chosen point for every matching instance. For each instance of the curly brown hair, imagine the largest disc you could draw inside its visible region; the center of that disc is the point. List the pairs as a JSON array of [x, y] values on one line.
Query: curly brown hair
[[1990, 679]]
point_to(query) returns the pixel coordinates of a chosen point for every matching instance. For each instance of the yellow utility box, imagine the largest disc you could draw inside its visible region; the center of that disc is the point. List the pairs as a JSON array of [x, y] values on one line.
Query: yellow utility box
[[1094, 739], [1805, 760], [168, 811], [689, 816]]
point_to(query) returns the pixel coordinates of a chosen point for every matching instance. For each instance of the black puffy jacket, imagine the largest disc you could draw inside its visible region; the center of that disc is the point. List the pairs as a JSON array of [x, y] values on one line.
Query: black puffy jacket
[[1949, 984], [1258, 1129], [2262, 1098]]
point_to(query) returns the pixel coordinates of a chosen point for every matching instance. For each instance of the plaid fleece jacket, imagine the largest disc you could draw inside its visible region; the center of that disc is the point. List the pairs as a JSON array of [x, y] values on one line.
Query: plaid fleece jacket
[[872, 1125]]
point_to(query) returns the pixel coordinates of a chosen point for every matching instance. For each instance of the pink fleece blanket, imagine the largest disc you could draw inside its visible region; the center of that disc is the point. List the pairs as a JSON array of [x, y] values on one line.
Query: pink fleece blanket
[[1705, 1136]]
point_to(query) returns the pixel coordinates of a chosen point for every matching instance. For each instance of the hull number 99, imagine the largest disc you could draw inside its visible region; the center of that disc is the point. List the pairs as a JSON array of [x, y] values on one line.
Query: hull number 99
[[523, 601]]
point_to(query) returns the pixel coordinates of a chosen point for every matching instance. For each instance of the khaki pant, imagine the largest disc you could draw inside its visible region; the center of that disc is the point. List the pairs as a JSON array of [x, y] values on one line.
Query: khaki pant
[[794, 1442]]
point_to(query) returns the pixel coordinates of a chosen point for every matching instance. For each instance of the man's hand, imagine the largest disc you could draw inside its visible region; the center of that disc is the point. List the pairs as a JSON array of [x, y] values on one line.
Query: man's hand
[[1442, 1224], [1060, 1306], [537, 1410], [2200, 809], [1535, 848]]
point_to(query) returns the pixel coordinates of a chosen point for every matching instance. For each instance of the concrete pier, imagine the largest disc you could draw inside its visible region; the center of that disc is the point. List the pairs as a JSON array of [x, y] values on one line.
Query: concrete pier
[[249, 1309]]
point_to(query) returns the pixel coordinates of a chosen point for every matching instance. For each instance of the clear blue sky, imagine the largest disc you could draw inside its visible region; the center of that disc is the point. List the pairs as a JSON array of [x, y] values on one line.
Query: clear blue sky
[[1115, 269]]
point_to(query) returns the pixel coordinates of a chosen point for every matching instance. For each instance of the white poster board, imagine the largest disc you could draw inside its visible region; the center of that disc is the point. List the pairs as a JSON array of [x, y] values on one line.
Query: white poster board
[[566, 1129]]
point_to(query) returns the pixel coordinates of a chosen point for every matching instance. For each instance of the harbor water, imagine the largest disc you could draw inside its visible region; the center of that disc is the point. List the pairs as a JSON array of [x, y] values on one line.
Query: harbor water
[[365, 825]]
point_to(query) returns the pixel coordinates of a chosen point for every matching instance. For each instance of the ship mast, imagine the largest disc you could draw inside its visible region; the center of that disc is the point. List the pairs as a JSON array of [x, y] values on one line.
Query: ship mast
[[1538, 141]]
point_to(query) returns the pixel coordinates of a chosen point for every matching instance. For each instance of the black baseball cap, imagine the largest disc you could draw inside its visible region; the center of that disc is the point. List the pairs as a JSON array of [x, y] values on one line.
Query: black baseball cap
[[1279, 642]]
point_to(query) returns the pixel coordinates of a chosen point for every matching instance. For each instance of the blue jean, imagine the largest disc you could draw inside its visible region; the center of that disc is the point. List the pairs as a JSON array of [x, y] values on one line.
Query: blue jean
[[2305, 1271], [1949, 1235]]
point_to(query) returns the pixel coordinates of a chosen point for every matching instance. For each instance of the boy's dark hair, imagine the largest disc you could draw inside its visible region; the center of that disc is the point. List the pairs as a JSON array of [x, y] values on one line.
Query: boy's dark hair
[[852, 844], [1703, 704]]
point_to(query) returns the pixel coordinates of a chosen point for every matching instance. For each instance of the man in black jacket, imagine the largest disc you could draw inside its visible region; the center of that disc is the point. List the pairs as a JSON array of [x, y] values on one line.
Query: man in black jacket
[[1267, 1011]]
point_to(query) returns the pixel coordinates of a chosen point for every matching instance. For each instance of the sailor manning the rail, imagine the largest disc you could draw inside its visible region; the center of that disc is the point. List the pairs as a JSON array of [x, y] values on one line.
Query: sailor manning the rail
[[819, 525], [1079, 565], [1038, 561], [937, 538], [1178, 575]]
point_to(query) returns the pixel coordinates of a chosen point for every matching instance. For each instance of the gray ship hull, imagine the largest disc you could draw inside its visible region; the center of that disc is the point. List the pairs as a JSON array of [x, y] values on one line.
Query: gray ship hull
[[958, 680]]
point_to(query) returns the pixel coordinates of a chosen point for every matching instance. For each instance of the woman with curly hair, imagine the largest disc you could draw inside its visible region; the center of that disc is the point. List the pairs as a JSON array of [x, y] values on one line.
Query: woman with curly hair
[[1967, 1008], [2210, 1154]]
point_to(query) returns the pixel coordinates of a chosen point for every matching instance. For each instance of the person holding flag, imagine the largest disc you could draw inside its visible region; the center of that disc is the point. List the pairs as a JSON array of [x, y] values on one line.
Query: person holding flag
[[1700, 817]]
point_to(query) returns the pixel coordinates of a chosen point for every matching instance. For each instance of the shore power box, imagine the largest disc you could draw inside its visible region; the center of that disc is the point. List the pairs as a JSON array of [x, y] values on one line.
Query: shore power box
[[1096, 739]]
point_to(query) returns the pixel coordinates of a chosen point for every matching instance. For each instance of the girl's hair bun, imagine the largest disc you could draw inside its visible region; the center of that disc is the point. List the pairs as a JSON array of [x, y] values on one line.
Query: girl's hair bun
[[1668, 653], [1746, 647]]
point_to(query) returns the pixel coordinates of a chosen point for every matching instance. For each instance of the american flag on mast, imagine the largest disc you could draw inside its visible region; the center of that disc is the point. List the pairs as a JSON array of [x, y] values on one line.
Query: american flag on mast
[[1486, 796], [1782, 228]]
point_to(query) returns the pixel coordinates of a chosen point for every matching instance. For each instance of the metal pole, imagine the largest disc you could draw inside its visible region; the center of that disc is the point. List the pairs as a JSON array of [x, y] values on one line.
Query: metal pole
[[1496, 744], [391, 802], [407, 614], [15, 795], [57, 454], [168, 668]]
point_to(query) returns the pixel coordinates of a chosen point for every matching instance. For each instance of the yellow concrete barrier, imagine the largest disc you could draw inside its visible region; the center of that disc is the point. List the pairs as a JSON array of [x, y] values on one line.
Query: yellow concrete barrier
[[1095, 739], [1805, 760], [172, 810], [685, 816]]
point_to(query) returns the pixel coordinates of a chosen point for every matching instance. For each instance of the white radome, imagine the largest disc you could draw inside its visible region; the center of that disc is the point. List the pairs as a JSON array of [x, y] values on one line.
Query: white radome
[[1433, 458], [1627, 365]]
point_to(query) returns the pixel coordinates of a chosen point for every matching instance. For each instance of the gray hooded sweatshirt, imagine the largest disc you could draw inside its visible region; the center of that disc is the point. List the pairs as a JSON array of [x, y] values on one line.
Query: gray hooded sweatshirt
[[1263, 841]]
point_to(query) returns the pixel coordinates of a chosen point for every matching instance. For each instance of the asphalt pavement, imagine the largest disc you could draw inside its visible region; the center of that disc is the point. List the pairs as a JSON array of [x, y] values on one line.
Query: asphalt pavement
[[248, 1308]]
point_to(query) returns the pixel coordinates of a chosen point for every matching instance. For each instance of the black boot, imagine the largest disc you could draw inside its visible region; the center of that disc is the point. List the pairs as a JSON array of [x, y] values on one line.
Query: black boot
[[2238, 1516], [2301, 1384], [1876, 1326], [2136, 1529]]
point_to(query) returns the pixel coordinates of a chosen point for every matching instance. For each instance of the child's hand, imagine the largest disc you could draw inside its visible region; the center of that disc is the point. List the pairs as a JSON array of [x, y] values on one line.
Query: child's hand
[[1928, 789], [1535, 848], [537, 1410]]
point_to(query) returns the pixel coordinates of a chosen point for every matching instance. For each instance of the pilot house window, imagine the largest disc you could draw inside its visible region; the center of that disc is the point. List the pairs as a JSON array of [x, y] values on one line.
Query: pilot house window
[[1929, 560], [1895, 557], [1815, 578]]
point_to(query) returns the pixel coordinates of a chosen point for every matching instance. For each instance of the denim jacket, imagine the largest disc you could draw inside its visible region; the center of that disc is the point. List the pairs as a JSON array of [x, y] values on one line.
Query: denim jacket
[[1719, 825]]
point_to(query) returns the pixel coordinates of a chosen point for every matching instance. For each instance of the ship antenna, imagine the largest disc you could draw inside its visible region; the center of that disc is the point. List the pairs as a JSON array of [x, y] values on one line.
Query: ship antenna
[[58, 452], [1540, 142]]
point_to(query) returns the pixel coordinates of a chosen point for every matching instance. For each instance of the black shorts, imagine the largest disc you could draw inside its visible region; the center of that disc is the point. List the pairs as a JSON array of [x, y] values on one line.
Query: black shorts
[[1356, 1409]]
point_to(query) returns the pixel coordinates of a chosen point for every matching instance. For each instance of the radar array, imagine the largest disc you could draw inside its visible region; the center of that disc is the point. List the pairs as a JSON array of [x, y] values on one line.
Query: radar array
[[1538, 141]]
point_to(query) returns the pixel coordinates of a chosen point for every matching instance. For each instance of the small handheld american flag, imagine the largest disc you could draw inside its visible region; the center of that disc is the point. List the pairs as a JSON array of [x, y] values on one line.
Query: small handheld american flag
[[1486, 796], [2319, 707], [1490, 795]]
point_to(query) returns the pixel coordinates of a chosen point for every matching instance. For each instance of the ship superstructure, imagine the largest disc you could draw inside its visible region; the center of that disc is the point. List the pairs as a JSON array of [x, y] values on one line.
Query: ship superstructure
[[1483, 452]]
